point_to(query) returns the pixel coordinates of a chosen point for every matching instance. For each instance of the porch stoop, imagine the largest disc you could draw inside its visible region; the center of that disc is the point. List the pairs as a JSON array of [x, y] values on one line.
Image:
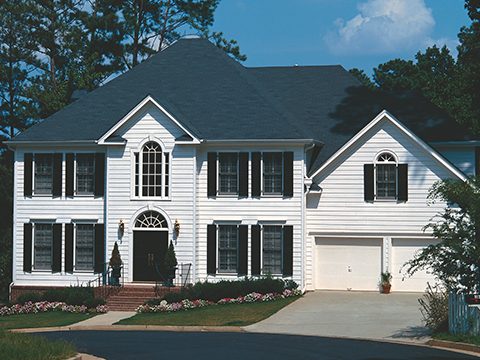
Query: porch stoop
[[129, 297]]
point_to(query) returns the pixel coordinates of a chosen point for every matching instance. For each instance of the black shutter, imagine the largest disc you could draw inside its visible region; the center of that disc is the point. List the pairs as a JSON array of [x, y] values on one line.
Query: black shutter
[[477, 161], [242, 249], [69, 248], [211, 249], [69, 177], [57, 175], [243, 174], [27, 174], [288, 174], [256, 171], [402, 182], [57, 248], [368, 182], [99, 174], [27, 247], [255, 249], [212, 174], [99, 248], [287, 250]]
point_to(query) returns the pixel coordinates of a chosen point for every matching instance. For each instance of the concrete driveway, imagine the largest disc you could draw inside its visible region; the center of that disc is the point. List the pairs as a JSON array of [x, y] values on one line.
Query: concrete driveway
[[365, 315]]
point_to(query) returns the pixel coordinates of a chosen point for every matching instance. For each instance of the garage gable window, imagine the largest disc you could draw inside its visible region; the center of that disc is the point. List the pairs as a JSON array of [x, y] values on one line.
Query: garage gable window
[[385, 179]]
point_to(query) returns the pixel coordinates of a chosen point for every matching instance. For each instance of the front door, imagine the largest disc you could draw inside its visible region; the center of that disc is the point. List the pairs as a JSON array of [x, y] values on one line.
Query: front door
[[149, 247]]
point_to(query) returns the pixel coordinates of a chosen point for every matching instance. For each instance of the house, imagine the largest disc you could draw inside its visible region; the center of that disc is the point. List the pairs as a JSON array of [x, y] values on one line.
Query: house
[[298, 172]]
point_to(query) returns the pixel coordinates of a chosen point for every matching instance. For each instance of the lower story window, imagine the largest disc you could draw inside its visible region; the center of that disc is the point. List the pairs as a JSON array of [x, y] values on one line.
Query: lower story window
[[43, 239], [272, 249], [227, 248], [84, 243]]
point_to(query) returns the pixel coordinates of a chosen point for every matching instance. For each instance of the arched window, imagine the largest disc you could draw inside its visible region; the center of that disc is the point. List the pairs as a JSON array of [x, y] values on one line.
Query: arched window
[[386, 176], [151, 220], [152, 171]]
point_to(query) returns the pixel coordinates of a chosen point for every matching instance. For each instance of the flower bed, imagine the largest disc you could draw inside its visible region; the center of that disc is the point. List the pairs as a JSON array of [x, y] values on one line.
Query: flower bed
[[45, 306], [189, 304]]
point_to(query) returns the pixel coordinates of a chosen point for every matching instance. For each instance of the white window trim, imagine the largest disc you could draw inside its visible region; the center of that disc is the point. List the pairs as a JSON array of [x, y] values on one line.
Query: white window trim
[[228, 195], [262, 185], [75, 223], [33, 172], [375, 163], [261, 246], [138, 151], [75, 192], [223, 223], [50, 222]]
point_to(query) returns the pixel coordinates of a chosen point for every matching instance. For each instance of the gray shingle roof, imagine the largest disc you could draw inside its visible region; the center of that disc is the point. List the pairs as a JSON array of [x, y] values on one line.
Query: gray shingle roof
[[216, 98]]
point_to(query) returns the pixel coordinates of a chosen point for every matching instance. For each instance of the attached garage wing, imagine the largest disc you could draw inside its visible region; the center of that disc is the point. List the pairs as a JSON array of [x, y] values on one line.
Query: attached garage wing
[[404, 250], [348, 263]]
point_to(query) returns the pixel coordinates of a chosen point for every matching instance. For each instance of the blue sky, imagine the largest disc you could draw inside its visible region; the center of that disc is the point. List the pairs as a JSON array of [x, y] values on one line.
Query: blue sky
[[353, 33]]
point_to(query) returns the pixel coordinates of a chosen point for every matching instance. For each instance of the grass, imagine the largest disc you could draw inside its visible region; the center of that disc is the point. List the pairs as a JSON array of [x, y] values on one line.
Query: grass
[[220, 315], [46, 319], [27, 347], [468, 339]]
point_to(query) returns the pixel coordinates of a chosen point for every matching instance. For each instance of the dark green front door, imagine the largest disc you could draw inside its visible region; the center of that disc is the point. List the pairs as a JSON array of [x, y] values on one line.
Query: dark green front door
[[149, 247]]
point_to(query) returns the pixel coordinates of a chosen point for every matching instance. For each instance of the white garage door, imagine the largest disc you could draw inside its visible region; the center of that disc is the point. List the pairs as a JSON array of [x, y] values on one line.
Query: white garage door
[[402, 251], [348, 264]]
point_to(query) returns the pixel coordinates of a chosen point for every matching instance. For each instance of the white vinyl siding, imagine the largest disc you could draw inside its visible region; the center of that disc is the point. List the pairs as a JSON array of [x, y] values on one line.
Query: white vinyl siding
[[42, 249]]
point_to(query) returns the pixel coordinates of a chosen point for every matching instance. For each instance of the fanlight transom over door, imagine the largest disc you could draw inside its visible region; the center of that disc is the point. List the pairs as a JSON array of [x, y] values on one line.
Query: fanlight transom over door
[[150, 242]]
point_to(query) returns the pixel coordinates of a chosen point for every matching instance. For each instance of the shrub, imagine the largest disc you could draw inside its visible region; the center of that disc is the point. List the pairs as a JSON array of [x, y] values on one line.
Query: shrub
[[29, 297], [434, 308], [74, 295], [291, 285]]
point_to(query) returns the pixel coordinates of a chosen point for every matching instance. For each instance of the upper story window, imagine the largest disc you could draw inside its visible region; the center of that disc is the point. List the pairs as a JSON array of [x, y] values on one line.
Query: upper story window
[[43, 178], [272, 173], [385, 179], [228, 173], [152, 171], [386, 176], [85, 174]]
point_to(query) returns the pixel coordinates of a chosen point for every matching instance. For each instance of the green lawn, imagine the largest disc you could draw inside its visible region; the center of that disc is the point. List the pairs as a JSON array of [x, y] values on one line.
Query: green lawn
[[46, 319], [28, 347], [468, 339], [220, 315]]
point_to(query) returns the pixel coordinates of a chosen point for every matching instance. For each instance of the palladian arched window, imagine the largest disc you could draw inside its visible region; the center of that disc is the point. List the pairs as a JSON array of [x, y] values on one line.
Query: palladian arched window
[[386, 176], [150, 220], [152, 168]]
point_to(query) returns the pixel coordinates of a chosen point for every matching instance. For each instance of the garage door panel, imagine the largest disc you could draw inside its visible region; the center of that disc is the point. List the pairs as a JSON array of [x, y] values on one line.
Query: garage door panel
[[404, 250], [348, 264]]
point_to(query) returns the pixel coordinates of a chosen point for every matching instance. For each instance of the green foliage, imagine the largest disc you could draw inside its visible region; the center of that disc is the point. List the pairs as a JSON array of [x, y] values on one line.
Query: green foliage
[[434, 308], [170, 260], [230, 289], [362, 77], [15, 346], [115, 259], [385, 278], [454, 260], [74, 295]]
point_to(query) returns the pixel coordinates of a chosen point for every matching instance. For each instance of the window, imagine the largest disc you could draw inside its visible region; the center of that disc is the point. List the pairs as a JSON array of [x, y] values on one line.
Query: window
[[43, 240], [152, 171], [228, 173], [272, 249], [84, 245], [85, 174], [272, 173], [43, 180], [227, 248], [386, 176]]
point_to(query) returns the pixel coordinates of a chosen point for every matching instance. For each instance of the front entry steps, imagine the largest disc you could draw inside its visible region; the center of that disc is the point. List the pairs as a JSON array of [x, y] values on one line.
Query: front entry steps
[[129, 297]]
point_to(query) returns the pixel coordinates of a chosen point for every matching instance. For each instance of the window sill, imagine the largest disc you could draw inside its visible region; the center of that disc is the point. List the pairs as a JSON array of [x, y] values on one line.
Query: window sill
[[149, 198], [232, 274]]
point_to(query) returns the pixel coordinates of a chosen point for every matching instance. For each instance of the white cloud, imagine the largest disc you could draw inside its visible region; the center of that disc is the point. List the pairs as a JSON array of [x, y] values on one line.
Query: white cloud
[[383, 27]]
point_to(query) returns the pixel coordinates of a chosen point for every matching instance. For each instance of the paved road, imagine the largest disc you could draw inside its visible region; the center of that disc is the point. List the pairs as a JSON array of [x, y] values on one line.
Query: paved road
[[349, 314], [137, 345]]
